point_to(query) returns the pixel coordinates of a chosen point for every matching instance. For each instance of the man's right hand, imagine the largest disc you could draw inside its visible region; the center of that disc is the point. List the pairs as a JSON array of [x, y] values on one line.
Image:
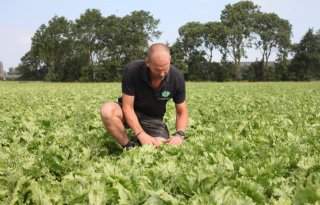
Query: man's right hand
[[144, 138]]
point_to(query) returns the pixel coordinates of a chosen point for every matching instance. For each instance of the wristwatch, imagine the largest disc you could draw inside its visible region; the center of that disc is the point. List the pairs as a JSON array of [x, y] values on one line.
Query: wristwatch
[[181, 134]]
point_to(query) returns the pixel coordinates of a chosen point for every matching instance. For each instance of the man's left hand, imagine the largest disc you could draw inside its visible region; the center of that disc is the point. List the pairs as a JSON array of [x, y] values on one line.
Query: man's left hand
[[175, 140]]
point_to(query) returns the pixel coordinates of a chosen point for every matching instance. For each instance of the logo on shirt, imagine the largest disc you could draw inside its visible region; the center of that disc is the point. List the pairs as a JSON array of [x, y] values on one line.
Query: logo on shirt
[[165, 94]]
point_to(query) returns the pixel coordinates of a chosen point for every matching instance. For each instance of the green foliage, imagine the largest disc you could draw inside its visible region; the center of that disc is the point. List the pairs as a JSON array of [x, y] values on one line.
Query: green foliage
[[239, 20], [53, 46], [96, 48], [305, 64], [214, 34], [263, 149], [92, 48], [242, 25], [254, 72], [177, 57], [273, 35], [190, 35]]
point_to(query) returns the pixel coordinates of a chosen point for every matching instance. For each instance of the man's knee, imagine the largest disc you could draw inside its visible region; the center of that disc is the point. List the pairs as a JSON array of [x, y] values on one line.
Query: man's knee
[[109, 110]]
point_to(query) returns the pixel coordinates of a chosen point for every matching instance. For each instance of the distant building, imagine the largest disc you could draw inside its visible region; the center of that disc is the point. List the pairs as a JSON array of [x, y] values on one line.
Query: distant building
[[1, 69], [3, 74]]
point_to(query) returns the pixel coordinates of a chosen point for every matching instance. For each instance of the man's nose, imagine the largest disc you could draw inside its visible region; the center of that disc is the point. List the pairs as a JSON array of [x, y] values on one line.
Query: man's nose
[[162, 74]]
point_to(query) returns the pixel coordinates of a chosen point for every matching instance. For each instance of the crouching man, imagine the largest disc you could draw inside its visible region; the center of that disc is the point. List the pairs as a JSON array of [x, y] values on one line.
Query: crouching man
[[147, 85]]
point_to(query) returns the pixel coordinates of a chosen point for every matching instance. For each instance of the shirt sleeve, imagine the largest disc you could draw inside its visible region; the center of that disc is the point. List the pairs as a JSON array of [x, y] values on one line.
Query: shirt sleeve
[[180, 95], [127, 82]]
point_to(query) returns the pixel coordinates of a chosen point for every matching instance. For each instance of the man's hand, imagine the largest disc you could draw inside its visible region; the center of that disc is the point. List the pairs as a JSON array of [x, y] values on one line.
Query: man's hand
[[160, 140], [144, 138], [175, 140]]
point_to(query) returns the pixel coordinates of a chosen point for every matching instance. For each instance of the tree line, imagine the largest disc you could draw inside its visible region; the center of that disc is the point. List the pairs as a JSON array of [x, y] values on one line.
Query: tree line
[[96, 48]]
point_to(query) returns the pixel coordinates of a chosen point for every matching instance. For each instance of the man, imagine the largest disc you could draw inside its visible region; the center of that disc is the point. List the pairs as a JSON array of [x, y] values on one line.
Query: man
[[146, 87]]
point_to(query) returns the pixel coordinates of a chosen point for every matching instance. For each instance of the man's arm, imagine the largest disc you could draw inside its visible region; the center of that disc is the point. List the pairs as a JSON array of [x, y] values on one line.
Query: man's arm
[[182, 117], [181, 122], [133, 122]]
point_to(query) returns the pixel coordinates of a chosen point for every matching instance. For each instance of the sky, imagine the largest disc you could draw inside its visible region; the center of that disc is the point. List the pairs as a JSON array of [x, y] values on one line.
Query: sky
[[20, 19]]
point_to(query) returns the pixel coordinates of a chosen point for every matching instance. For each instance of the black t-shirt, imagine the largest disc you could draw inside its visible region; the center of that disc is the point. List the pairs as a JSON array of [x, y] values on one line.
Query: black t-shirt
[[136, 82]]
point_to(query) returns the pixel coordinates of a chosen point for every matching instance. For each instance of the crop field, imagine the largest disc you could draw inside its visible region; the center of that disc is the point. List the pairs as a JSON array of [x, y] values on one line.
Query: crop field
[[248, 143]]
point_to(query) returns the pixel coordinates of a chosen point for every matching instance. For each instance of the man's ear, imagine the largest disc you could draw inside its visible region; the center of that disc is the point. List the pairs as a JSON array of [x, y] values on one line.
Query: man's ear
[[147, 62]]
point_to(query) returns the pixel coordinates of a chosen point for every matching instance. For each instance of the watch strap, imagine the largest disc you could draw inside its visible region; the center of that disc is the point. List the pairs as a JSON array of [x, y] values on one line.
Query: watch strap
[[181, 134]]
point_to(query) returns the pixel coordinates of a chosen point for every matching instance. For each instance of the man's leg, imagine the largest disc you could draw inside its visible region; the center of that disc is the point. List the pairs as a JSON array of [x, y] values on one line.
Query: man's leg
[[112, 117]]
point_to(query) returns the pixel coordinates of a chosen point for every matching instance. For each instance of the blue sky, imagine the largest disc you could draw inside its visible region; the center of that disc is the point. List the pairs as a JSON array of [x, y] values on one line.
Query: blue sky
[[20, 19]]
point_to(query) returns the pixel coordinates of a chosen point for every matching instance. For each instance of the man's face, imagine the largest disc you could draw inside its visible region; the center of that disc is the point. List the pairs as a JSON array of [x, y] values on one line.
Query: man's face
[[158, 72], [159, 65]]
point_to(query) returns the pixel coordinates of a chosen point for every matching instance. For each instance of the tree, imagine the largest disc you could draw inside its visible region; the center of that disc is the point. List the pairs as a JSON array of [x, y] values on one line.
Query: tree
[[197, 67], [91, 48], [191, 42], [178, 58], [198, 41], [191, 38], [138, 29], [12, 71], [53, 46], [213, 35], [126, 39], [305, 64], [49, 53], [239, 21], [86, 31], [29, 68], [274, 35]]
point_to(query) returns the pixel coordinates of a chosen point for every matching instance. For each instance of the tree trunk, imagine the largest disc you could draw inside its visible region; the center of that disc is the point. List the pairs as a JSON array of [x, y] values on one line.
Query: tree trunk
[[237, 66]]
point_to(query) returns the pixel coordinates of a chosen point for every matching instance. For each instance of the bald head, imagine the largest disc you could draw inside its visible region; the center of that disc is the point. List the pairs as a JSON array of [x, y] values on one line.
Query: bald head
[[158, 51], [158, 60]]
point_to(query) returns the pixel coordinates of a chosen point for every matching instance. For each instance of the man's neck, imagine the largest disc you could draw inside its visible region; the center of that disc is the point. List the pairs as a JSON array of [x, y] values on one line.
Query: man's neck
[[155, 83]]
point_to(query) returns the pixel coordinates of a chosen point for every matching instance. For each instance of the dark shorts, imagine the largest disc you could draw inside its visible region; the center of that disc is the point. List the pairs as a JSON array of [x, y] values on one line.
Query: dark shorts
[[152, 126]]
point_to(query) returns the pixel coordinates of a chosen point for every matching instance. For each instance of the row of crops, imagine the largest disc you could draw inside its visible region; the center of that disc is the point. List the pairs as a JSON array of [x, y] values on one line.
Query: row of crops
[[248, 143]]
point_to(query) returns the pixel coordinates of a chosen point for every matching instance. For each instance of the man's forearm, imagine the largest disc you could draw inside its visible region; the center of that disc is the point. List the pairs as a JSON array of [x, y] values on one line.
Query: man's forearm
[[134, 124], [181, 121], [132, 120]]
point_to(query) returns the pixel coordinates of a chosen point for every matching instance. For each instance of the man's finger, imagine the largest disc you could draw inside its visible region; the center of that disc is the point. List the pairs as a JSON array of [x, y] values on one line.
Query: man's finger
[[175, 141]]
